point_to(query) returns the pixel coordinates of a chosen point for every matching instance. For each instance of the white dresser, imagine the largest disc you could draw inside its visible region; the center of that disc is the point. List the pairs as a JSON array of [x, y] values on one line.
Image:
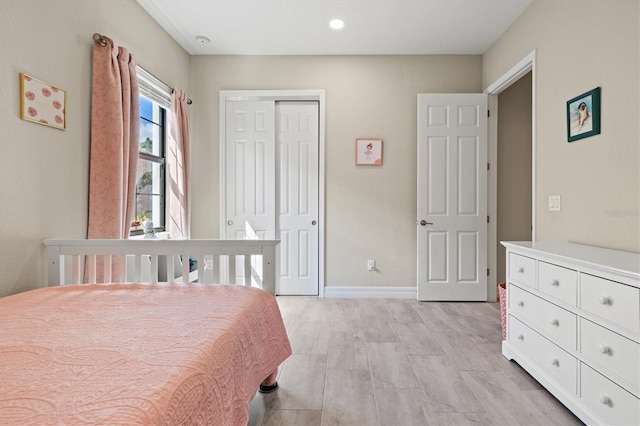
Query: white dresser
[[573, 322]]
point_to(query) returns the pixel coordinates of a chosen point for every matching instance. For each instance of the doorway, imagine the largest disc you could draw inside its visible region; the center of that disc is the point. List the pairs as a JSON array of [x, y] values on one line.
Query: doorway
[[526, 66], [272, 179], [513, 168]]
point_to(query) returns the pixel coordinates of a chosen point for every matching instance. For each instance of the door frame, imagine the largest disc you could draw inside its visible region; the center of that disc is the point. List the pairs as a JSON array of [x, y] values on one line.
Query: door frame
[[278, 95], [528, 63]]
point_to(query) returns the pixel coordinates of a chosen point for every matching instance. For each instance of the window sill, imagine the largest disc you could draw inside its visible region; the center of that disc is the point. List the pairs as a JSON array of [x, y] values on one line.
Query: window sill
[[164, 235]]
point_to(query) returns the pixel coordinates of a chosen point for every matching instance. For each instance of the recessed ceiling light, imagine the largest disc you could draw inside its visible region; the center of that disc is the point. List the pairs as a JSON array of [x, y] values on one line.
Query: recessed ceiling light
[[203, 40], [336, 24]]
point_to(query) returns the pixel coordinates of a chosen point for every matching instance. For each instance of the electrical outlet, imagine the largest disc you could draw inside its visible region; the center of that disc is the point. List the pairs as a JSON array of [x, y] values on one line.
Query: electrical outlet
[[554, 203], [371, 265]]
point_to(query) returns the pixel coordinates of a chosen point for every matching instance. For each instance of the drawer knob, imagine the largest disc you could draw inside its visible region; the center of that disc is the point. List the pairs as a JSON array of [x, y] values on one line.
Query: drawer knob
[[521, 303], [604, 399], [555, 282], [520, 336], [555, 322], [604, 300], [521, 270], [555, 362], [605, 349]]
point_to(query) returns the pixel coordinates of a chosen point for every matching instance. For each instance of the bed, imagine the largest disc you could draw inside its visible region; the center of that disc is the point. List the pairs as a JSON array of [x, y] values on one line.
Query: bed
[[175, 352]]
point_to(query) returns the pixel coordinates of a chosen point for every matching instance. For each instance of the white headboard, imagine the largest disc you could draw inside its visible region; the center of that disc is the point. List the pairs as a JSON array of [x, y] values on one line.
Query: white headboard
[[204, 261]]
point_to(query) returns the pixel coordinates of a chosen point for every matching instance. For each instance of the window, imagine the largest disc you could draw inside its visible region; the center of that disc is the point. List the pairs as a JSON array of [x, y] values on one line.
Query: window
[[150, 199]]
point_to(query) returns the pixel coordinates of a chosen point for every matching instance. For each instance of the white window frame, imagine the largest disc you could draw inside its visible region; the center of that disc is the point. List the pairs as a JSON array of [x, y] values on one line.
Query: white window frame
[[155, 90]]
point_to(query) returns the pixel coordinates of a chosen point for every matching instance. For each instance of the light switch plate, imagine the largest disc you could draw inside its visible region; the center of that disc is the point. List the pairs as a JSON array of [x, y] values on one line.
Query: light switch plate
[[554, 203]]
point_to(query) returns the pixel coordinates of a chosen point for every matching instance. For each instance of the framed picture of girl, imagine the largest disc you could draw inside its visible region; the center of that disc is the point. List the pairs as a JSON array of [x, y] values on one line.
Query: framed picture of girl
[[368, 152], [583, 115]]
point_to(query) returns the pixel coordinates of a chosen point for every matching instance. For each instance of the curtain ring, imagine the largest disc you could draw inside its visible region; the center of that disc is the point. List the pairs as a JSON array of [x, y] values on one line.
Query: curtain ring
[[99, 39]]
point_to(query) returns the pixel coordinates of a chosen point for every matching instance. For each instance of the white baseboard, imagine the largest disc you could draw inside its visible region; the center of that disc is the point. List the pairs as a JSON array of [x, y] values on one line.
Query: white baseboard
[[371, 292]]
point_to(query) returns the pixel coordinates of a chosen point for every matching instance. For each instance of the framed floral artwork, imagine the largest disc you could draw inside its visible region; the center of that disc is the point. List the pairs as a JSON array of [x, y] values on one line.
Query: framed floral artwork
[[42, 103], [368, 152]]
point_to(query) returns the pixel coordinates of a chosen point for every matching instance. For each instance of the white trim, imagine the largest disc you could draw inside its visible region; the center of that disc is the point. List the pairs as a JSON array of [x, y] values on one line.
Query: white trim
[[528, 63], [372, 292], [492, 200], [279, 95], [514, 74], [153, 88]]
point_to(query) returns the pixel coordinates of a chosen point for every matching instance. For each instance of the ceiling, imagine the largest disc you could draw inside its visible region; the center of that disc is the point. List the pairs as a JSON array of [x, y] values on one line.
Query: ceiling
[[301, 27]]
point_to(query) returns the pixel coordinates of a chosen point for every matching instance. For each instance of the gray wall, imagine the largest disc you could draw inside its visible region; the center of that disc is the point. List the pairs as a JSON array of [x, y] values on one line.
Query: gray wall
[[370, 212], [44, 171], [580, 45]]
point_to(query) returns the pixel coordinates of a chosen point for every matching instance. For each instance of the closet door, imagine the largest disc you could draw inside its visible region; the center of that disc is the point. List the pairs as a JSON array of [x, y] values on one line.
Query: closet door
[[272, 185], [250, 170], [297, 135]]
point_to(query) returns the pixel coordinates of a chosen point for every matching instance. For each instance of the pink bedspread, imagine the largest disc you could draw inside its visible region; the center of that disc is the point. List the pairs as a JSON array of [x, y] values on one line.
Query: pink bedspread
[[137, 354]]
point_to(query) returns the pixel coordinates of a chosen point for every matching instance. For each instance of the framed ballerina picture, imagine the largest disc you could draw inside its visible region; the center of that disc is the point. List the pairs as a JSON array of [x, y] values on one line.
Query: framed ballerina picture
[[583, 115], [42, 102], [368, 152]]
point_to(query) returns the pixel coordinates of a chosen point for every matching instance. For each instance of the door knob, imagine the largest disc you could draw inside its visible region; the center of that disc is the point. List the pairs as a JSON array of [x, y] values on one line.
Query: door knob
[[314, 223], [425, 223], [229, 222]]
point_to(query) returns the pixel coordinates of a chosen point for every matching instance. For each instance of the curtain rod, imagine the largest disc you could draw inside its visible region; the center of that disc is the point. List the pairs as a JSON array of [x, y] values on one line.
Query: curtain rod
[[189, 101], [103, 42]]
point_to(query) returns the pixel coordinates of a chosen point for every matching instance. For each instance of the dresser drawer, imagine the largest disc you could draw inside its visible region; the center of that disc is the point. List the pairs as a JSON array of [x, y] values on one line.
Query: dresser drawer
[[522, 270], [558, 282], [611, 401], [610, 300], [554, 322], [560, 365], [612, 351]]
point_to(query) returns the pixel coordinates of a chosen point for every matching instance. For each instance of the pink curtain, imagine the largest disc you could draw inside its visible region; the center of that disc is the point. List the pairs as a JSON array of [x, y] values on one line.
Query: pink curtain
[[115, 123], [179, 168]]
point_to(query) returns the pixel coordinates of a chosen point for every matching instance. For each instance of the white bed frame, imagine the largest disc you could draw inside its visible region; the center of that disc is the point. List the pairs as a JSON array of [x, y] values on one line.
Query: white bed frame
[[164, 260]]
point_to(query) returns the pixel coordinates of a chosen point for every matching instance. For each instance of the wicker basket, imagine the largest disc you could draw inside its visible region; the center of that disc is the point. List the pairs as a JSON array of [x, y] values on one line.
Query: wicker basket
[[502, 295]]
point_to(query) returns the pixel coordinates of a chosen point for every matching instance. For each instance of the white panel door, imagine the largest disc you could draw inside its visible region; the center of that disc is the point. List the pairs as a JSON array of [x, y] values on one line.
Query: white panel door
[[297, 135], [452, 197], [250, 170]]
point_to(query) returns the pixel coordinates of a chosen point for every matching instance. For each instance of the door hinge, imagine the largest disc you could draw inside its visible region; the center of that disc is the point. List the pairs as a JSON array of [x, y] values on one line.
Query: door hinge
[[487, 219], [487, 271], [488, 166], [488, 113]]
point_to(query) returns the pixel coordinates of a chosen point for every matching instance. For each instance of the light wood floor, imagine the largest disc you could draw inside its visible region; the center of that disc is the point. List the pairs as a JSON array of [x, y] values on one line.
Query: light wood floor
[[400, 362]]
